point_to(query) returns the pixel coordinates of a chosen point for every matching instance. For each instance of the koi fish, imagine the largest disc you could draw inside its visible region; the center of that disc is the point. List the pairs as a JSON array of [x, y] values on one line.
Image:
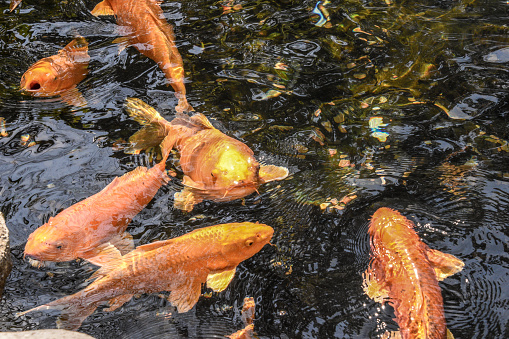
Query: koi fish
[[216, 166], [181, 265], [405, 272], [145, 28], [59, 74], [93, 229]]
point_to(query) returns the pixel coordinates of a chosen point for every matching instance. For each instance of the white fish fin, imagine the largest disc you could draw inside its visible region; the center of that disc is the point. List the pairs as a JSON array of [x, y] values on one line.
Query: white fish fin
[[103, 254], [118, 301], [186, 199], [186, 295], [73, 97], [270, 173], [444, 264], [103, 8], [220, 281], [123, 242]]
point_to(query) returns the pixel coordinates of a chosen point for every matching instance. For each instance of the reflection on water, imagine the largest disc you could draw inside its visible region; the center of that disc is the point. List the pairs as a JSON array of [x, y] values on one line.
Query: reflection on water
[[301, 96]]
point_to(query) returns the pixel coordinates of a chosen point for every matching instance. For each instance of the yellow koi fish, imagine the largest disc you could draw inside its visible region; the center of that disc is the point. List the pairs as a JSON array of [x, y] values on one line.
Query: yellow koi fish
[[181, 265]]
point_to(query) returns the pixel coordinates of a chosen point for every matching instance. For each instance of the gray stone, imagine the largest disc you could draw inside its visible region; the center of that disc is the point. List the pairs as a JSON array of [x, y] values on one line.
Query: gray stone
[[44, 334], [5, 254]]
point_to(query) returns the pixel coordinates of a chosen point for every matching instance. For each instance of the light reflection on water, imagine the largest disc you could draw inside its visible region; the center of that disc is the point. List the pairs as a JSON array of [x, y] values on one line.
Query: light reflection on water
[[436, 72]]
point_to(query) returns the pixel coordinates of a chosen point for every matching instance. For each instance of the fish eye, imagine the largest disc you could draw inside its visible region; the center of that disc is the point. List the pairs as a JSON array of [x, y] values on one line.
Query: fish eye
[[249, 242]]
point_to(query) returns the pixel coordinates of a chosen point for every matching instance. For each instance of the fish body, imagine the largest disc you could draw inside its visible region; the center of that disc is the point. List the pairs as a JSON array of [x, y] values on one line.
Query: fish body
[[405, 272], [181, 265], [93, 228], [59, 74], [145, 28], [216, 166]]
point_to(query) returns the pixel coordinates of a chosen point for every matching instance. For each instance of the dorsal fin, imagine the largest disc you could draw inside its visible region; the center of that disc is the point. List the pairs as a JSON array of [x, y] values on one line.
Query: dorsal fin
[[103, 8], [201, 120], [77, 50]]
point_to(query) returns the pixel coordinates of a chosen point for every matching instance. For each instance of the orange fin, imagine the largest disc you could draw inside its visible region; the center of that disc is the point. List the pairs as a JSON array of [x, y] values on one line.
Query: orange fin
[[104, 254], [73, 97], [270, 173], [14, 4], [201, 120], [185, 296], [187, 181], [186, 199], [220, 281], [373, 288], [78, 45], [123, 242], [103, 8], [118, 301], [444, 264]]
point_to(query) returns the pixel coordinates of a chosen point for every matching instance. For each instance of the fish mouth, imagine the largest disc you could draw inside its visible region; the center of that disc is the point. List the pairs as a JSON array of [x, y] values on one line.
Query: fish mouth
[[33, 86], [34, 262]]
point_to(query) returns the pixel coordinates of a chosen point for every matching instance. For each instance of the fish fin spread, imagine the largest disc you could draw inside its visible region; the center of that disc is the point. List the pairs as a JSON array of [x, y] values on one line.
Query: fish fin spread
[[14, 4], [186, 199], [449, 334], [373, 288], [104, 254], [154, 131], [78, 45], [270, 173], [123, 42], [201, 120], [220, 281], [123, 242], [73, 97], [444, 264], [186, 295], [166, 146], [103, 8], [187, 181], [118, 301]]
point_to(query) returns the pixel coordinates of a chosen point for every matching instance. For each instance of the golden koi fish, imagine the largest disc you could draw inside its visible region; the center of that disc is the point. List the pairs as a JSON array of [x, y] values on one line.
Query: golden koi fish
[[145, 28], [216, 166], [93, 229], [59, 74], [181, 265], [405, 272]]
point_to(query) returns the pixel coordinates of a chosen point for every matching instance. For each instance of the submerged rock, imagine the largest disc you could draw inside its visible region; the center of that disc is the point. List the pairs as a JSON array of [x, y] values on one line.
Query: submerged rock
[[5, 254]]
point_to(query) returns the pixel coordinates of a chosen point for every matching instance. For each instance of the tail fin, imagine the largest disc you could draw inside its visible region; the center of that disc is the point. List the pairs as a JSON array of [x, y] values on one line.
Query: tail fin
[[75, 309], [154, 130]]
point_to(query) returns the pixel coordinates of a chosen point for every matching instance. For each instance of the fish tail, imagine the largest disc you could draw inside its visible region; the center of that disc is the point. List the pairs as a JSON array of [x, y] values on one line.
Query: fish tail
[[74, 310], [154, 130]]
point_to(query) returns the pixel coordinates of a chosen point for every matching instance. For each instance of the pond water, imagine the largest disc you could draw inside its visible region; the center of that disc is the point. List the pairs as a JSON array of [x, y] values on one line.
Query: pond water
[[434, 75]]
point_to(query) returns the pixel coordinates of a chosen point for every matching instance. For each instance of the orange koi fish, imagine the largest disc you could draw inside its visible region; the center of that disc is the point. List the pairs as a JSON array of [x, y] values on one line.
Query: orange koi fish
[[145, 28], [93, 229], [216, 166], [59, 74], [405, 272], [181, 265]]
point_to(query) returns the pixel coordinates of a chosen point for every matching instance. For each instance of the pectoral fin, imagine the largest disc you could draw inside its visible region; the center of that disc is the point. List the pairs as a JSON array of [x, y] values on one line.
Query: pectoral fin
[[14, 4], [123, 242], [103, 8], [270, 173], [73, 97], [103, 254], [220, 281], [185, 200], [185, 296], [187, 181], [118, 301], [444, 264], [373, 288]]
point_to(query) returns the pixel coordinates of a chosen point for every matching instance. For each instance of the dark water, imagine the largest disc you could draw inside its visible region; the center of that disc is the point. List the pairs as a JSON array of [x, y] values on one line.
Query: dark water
[[436, 72]]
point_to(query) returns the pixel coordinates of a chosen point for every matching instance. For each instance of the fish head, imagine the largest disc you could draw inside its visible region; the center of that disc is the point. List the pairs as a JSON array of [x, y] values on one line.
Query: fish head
[[39, 79], [235, 167], [243, 240], [389, 225], [50, 243]]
